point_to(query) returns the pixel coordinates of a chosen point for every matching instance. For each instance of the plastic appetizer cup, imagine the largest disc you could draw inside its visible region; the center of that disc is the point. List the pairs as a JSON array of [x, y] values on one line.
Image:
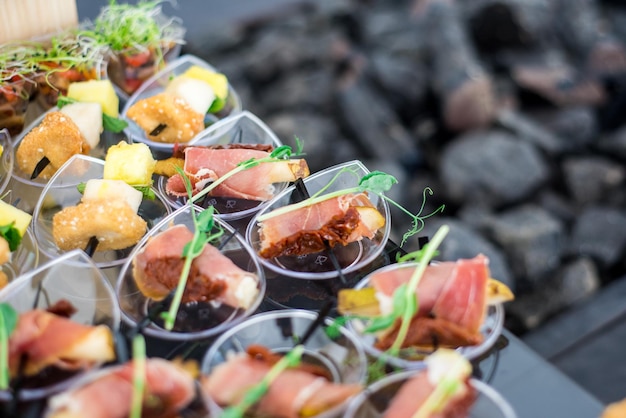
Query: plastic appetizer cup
[[7, 159], [491, 329], [14, 99], [72, 277], [373, 402], [342, 357], [195, 320], [157, 84], [62, 192], [350, 258], [28, 190], [24, 259], [240, 128]]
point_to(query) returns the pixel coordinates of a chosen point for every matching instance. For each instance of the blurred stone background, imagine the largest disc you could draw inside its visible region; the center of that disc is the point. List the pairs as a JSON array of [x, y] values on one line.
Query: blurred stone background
[[542, 193]]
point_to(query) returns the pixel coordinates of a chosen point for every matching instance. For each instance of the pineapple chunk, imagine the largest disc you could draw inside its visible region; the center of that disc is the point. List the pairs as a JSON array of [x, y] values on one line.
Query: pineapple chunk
[[131, 163], [196, 93], [217, 81], [100, 91], [9, 214], [88, 117], [98, 189]]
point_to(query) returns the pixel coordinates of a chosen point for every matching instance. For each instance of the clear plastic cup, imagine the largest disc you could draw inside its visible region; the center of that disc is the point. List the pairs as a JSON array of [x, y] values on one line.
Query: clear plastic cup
[[157, 84], [72, 277], [196, 320], [373, 402], [490, 329], [279, 331]]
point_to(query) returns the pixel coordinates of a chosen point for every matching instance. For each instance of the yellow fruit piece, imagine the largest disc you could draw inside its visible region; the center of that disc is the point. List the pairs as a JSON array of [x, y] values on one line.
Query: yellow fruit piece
[[217, 81], [1, 150], [132, 163], [9, 214], [99, 91]]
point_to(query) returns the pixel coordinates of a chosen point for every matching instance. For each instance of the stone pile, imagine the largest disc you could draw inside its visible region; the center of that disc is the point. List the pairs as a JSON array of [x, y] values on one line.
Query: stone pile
[[544, 198]]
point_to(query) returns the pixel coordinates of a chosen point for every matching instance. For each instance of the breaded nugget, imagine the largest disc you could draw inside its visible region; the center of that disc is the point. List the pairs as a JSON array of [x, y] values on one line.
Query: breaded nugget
[[113, 222], [57, 138], [181, 123]]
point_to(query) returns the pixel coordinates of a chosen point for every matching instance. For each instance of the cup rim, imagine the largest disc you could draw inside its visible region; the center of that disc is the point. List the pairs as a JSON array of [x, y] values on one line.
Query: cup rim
[[171, 66], [483, 388], [494, 312], [189, 336], [72, 184], [252, 225]]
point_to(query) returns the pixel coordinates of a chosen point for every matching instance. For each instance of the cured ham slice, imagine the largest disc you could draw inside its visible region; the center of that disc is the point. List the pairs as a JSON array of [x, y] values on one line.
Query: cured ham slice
[[294, 393], [455, 291], [213, 276], [205, 165], [43, 339], [415, 392], [336, 221], [169, 389]]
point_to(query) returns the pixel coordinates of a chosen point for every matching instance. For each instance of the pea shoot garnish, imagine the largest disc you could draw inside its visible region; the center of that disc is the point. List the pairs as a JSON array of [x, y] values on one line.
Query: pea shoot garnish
[[12, 235], [254, 394], [376, 182], [206, 230], [8, 322], [139, 375]]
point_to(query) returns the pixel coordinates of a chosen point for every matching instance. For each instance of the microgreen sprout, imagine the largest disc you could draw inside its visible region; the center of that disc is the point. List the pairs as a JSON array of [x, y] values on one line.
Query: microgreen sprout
[[139, 375], [206, 230], [280, 154], [12, 235], [376, 182], [137, 28], [8, 322], [254, 394]]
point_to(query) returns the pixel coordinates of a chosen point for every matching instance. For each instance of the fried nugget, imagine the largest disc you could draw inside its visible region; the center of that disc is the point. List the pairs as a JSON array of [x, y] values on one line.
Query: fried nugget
[[169, 118], [168, 166], [113, 222], [57, 138]]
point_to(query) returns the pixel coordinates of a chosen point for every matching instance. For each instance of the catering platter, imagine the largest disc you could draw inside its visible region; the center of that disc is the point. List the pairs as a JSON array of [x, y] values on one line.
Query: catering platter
[[254, 292]]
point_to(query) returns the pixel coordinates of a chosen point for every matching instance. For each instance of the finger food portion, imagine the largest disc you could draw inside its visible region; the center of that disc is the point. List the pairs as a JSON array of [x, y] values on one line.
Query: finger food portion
[[213, 276], [204, 165], [177, 114], [300, 391], [13, 225], [45, 339], [337, 221], [169, 389]]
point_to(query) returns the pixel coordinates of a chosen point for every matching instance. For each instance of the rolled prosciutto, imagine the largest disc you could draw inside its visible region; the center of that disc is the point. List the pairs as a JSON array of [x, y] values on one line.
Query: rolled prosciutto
[[295, 393], [213, 276], [442, 390], [452, 299], [204, 165], [310, 229], [43, 339], [168, 390]]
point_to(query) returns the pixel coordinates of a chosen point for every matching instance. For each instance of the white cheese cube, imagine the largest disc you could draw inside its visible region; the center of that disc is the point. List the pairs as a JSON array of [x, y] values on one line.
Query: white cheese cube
[[196, 93], [97, 189], [88, 118]]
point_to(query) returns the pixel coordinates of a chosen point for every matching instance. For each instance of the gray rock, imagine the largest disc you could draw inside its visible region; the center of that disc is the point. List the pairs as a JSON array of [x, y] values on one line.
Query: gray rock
[[404, 81], [578, 280], [589, 179], [576, 127], [491, 167], [464, 242], [600, 233], [615, 143], [532, 239], [558, 205], [373, 125], [299, 90], [527, 129]]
